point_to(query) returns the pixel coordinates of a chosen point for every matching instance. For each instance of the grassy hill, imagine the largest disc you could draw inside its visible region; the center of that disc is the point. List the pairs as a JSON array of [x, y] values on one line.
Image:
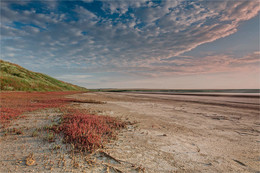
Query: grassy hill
[[16, 78]]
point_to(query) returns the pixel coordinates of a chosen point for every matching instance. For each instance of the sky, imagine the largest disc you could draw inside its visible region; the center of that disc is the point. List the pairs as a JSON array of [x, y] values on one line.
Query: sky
[[166, 44]]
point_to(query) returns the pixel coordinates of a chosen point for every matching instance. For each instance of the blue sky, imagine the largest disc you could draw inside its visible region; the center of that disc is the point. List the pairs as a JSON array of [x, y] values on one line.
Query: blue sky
[[136, 44]]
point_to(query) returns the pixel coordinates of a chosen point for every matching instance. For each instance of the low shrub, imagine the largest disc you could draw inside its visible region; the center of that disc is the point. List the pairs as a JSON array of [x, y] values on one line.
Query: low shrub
[[88, 132]]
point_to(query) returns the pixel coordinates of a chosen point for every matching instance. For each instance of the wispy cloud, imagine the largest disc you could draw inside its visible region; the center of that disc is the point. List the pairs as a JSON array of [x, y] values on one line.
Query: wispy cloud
[[134, 37]]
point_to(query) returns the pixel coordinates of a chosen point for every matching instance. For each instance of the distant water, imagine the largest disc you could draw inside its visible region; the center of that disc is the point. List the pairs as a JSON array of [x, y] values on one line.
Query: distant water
[[197, 91], [202, 93], [230, 93]]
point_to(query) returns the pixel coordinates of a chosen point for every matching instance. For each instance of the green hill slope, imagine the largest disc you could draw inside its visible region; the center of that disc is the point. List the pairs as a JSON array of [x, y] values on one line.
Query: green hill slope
[[16, 78]]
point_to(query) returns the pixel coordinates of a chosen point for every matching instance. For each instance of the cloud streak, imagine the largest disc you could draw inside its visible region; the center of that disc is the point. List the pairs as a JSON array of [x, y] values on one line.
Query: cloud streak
[[134, 37]]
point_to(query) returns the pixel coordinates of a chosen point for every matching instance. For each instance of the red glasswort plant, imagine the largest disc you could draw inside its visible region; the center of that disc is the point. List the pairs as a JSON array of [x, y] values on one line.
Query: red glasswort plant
[[14, 104], [88, 132]]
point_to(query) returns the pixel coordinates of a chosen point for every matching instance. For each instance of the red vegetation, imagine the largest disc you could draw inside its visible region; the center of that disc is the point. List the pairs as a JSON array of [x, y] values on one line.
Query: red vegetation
[[14, 104], [88, 132]]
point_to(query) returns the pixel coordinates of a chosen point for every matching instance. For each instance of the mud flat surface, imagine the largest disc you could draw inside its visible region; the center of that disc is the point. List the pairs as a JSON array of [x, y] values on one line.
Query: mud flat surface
[[182, 133], [166, 133]]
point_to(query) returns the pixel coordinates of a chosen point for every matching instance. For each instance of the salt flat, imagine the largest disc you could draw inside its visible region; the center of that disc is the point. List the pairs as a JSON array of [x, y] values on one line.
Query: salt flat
[[184, 133], [164, 133]]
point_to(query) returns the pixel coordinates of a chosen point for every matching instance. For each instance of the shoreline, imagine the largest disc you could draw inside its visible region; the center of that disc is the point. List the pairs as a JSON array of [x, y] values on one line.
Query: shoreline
[[248, 95]]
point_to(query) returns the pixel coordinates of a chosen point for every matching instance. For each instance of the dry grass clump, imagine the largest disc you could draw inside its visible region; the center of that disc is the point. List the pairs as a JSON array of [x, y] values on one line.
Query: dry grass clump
[[35, 133], [50, 137], [13, 131], [30, 160]]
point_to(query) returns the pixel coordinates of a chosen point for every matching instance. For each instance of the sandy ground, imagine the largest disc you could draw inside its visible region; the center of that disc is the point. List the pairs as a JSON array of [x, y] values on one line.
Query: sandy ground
[[168, 134], [186, 133]]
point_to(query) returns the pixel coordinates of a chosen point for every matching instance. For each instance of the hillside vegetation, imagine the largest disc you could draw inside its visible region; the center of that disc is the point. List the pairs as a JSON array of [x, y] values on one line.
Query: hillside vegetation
[[16, 78]]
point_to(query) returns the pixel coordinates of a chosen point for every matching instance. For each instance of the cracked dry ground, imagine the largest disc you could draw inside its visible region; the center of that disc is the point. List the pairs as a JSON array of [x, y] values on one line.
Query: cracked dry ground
[[26, 146], [171, 134]]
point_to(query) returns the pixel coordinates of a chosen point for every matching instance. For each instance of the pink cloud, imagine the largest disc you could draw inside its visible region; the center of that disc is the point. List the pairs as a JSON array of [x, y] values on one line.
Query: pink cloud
[[203, 65]]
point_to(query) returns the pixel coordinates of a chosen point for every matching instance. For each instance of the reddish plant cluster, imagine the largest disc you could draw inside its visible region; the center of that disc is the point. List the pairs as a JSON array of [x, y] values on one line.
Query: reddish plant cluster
[[13, 104], [88, 132]]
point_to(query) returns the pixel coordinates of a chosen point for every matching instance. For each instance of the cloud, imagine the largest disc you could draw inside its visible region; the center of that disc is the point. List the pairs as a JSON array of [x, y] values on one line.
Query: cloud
[[84, 14], [74, 77], [208, 64], [133, 37], [122, 7]]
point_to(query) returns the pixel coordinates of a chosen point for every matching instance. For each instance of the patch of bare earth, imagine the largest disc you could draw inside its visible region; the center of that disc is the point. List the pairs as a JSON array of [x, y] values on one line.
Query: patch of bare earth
[[184, 133], [34, 149]]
